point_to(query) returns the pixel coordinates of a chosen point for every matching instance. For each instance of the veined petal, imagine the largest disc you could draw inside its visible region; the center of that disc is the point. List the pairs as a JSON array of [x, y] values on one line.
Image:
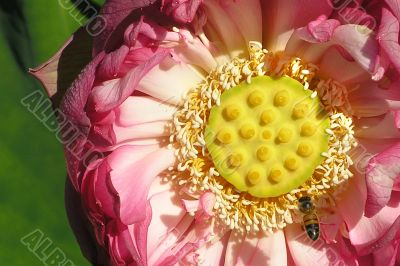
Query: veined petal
[[259, 249], [308, 253], [143, 109], [169, 81], [368, 230], [111, 94], [382, 171], [246, 14], [132, 180], [225, 27], [167, 214], [388, 37], [280, 16]]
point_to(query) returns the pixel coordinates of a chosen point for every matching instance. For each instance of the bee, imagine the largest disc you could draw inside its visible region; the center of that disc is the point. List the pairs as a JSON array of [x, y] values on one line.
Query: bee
[[310, 218]]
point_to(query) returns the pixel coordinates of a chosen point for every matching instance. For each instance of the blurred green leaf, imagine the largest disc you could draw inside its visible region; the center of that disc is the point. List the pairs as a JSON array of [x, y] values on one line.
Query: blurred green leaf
[[32, 168]]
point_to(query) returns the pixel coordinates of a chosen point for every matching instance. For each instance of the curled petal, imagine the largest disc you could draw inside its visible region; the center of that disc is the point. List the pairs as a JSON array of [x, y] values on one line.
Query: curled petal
[[382, 171]]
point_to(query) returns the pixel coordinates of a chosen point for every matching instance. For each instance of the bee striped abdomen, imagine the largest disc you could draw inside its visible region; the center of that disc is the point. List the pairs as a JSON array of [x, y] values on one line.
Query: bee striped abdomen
[[311, 225]]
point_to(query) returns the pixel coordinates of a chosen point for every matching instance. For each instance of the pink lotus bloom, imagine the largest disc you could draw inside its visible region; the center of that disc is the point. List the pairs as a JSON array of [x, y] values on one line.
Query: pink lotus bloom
[[199, 127]]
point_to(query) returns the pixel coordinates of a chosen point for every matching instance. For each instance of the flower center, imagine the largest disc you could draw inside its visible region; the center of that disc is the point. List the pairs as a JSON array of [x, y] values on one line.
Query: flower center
[[262, 132]]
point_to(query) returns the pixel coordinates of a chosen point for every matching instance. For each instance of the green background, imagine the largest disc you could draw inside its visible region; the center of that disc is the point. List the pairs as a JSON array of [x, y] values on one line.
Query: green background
[[32, 168]]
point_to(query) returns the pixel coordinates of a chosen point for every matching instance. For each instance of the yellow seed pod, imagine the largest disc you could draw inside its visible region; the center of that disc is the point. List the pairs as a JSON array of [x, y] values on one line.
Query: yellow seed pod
[[308, 129], [267, 117], [304, 149], [263, 153], [255, 98], [225, 136], [247, 131], [285, 135], [232, 112], [281, 98]]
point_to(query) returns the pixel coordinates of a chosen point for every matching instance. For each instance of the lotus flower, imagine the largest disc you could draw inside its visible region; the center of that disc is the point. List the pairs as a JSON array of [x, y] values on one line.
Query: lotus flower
[[190, 138]]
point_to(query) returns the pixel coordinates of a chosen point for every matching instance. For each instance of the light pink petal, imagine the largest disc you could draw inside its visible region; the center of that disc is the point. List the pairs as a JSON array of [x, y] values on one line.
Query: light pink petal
[[194, 52], [369, 230], [246, 14], [143, 109], [212, 253], [225, 28], [259, 249], [333, 65], [382, 170], [167, 214], [169, 81], [151, 130], [395, 7], [388, 37], [280, 16], [360, 42], [319, 30], [383, 128], [170, 239], [352, 202], [132, 180], [309, 253]]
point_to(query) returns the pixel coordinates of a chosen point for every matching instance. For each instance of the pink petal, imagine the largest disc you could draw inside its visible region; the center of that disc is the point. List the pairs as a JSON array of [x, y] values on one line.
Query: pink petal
[[259, 249], [307, 252], [225, 27], [212, 253], [132, 179], [333, 65], [388, 37], [182, 11], [167, 214], [352, 202], [319, 30], [383, 129], [280, 16], [381, 173], [246, 14], [394, 6], [387, 255], [169, 81], [172, 241], [110, 95], [194, 52], [151, 130], [369, 230], [359, 42], [111, 15], [142, 109]]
